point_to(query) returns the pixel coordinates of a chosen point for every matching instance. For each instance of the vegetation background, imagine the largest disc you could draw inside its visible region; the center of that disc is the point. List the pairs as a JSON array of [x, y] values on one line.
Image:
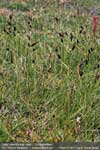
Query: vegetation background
[[49, 71]]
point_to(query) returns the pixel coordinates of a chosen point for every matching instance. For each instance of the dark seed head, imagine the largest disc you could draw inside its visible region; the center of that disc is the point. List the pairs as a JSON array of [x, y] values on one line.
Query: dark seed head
[[9, 23], [33, 49], [57, 19], [49, 69], [34, 43], [80, 31], [73, 46], [28, 22], [1, 104], [98, 65], [11, 16], [5, 30], [77, 41], [29, 45], [11, 57], [81, 27], [28, 37], [53, 116], [81, 65], [59, 57], [7, 49], [33, 61], [90, 50], [14, 28], [30, 26], [86, 62], [99, 59], [98, 130], [61, 34], [80, 73], [71, 36], [56, 50], [66, 33], [62, 40]]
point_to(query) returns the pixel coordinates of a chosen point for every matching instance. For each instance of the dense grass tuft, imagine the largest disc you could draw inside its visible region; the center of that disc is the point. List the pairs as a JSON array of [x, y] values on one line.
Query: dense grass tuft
[[49, 72]]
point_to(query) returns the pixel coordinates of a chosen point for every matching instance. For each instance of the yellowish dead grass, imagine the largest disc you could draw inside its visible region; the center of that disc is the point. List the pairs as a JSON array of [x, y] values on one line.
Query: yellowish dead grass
[[4, 12]]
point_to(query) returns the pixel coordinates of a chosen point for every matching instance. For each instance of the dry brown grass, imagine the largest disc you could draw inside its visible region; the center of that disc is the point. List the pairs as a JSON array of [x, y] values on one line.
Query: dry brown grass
[[4, 12]]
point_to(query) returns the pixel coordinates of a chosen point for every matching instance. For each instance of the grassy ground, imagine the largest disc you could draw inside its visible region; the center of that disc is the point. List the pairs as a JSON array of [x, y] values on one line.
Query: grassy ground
[[49, 72]]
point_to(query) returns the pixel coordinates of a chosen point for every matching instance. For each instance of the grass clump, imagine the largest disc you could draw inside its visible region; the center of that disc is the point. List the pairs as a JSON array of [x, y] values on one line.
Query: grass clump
[[49, 74]]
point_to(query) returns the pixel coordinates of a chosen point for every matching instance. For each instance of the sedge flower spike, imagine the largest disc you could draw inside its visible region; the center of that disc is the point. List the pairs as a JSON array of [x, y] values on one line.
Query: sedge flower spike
[[95, 24]]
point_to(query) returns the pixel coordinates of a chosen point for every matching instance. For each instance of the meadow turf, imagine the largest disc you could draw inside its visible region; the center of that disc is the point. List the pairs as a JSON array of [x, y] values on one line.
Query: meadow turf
[[49, 71]]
